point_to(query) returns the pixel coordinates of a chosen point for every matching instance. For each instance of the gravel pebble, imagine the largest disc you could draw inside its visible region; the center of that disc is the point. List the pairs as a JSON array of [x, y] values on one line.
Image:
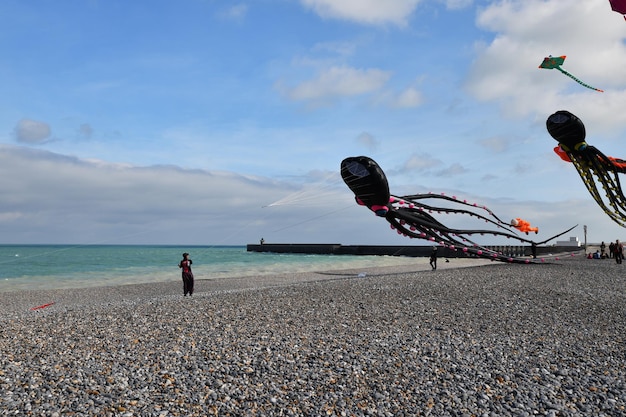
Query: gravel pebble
[[488, 340]]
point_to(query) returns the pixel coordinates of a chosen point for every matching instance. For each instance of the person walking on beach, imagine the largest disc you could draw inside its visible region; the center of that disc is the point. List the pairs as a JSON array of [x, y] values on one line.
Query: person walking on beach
[[185, 264], [433, 258], [618, 250]]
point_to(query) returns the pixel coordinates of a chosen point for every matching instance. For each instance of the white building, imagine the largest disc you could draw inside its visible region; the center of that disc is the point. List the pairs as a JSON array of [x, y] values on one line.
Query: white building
[[572, 242]]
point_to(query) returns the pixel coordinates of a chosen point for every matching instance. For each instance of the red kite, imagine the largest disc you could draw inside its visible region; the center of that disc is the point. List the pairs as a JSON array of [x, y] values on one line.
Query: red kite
[[619, 6]]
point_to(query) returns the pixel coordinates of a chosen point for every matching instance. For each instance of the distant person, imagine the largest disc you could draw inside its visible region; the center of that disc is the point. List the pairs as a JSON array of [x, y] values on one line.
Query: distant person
[[611, 249], [185, 264], [433, 258], [533, 250], [262, 241], [602, 250], [618, 251], [596, 255]]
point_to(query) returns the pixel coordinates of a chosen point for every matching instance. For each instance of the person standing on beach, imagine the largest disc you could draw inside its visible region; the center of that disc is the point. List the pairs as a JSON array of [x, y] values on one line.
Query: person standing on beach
[[433, 258], [185, 264], [618, 250]]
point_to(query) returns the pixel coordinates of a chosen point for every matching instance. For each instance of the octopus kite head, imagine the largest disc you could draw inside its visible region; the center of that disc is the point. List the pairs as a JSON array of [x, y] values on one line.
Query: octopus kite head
[[368, 183], [568, 130]]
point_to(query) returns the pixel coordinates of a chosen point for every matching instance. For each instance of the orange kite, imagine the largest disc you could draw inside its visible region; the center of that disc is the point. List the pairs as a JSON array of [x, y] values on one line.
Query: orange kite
[[523, 226]]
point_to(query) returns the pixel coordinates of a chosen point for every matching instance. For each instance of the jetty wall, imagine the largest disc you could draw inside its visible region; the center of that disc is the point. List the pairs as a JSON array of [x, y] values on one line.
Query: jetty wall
[[412, 251]]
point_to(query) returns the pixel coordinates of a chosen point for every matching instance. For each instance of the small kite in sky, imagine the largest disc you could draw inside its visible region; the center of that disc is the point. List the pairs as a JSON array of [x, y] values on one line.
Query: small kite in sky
[[555, 62], [523, 226], [594, 168], [411, 217], [619, 6]]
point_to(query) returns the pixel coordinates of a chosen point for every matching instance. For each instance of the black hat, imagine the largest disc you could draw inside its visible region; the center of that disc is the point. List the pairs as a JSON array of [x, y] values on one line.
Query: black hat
[[185, 254]]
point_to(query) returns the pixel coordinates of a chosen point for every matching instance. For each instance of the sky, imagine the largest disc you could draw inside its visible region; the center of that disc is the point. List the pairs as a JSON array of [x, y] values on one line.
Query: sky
[[214, 122]]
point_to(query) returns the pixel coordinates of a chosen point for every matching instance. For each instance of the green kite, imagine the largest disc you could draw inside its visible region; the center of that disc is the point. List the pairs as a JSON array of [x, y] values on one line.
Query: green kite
[[555, 62]]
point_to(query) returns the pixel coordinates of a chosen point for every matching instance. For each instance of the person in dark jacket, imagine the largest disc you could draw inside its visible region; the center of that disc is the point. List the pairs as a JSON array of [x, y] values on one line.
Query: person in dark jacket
[[618, 252], [433, 258], [185, 265]]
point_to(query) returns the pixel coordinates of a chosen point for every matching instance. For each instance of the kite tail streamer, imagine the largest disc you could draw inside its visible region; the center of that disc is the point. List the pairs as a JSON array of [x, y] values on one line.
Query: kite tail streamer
[[596, 169], [600, 173], [578, 81]]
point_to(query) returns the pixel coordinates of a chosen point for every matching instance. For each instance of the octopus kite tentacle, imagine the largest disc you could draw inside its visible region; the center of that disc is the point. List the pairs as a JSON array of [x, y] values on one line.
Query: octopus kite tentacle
[[413, 218], [455, 200], [595, 169]]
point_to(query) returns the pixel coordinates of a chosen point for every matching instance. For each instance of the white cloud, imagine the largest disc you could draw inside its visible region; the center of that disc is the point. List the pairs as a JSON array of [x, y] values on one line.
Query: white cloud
[[453, 170], [50, 198], [457, 4], [375, 12], [337, 82], [343, 49], [235, 12], [524, 32], [58, 199], [420, 163], [368, 140], [496, 144], [409, 98], [32, 131], [85, 131], [10, 216]]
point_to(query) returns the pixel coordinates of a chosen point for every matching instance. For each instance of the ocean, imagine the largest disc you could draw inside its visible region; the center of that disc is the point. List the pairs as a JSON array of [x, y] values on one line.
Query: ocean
[[32, 267]]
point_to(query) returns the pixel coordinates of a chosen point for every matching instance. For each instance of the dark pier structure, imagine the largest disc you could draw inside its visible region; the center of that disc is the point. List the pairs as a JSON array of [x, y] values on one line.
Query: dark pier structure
[[411, 251]]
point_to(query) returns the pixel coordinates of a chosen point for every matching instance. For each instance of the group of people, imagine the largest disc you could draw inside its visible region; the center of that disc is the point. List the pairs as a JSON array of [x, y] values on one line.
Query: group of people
[[616, 251]]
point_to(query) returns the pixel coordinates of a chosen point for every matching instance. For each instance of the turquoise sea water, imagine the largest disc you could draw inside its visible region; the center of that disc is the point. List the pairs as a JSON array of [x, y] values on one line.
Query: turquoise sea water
[[25, 267]]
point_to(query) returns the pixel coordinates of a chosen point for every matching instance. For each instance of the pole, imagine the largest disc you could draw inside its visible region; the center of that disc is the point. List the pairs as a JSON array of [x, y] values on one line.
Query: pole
[[585, 230]]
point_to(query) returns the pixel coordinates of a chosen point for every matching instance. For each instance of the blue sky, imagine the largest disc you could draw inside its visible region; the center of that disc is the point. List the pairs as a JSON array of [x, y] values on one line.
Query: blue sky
[[221, 122]]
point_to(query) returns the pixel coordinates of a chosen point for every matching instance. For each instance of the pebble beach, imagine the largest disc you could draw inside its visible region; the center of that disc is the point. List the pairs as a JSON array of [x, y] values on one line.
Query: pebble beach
[[473, 338]]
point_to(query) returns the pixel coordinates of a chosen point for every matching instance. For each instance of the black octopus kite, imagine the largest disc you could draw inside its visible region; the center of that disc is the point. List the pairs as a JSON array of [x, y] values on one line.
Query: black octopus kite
[[595, 168], [412, 218]]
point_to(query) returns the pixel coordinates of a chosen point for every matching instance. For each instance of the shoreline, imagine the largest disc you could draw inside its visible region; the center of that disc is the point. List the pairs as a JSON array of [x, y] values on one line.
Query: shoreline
[[14, 301], [52, 273], [208, 266]]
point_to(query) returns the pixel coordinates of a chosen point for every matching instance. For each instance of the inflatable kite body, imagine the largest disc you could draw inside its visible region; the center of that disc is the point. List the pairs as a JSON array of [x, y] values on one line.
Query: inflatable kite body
[[619, 6], [523, 226], [598, 171], [368, 182], [618, 164], [555, 62], [412, 217]]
